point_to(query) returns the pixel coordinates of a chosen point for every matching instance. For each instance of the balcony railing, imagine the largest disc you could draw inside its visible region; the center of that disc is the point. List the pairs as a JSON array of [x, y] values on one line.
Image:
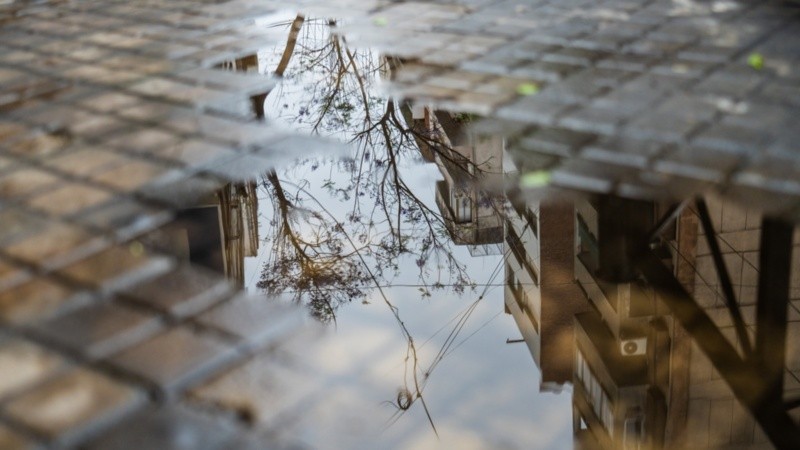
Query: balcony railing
[[519, 252]]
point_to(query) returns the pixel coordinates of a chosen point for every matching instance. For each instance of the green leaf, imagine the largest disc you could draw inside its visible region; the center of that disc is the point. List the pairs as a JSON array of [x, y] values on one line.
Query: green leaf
[[527, 89], [756, 61], [380, 21], [537, 179]]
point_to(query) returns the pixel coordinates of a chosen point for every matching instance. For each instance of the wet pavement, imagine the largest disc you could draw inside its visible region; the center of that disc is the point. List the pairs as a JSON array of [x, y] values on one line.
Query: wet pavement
[[466, 224]]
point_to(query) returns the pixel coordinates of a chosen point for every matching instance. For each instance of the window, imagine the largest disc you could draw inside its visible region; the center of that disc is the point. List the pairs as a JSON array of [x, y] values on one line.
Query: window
[[596, 395], [520, 253], [526, 213], [462, 206]]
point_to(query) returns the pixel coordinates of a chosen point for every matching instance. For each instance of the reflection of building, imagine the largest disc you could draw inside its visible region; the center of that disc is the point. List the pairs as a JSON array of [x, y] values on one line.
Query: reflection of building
[[217, 233], [472, 166], [540, 292], [618, 396], [639, 379], [706, 410]]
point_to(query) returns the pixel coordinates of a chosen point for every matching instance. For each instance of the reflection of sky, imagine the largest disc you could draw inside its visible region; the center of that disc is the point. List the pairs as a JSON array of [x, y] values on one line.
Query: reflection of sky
[[483, 394]]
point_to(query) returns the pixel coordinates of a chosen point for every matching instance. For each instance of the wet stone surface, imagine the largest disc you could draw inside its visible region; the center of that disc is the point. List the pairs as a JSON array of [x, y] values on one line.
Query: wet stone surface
[[420, 177]]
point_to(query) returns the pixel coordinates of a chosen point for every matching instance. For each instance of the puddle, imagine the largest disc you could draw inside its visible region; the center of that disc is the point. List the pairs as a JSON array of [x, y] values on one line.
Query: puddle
[[468, 305], [467, 282]]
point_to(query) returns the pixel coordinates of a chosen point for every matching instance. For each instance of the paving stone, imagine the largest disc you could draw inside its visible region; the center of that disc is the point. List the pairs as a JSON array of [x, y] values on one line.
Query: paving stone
[[70, 199], [183, 292], [11, 440], [628, 100], [196, 153], [732, 139], [125, 218], [116, 267], [575, 56], [588, 176], [132, 175], [99, 329], [55, 245], [64, 408], [24, 364], [244, 83], [169, 428], [174, 359], [667, 128], [623, 152], [605, 121], [143, 140], [555, 141], [11, 274], [264, 388], [84, 162], [37, 299], [532, 110], [629, 62], [254, 319], [699, 163], [21, 183], [17, 224], [733, 81], [655, 48], [39, 144], [185, 193], [683, 69], [550, 71], [241, 167]]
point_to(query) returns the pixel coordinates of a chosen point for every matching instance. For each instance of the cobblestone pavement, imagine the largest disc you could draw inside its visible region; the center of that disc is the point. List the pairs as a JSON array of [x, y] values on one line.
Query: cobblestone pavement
[[112, 115], [115, 113], [644, 98]]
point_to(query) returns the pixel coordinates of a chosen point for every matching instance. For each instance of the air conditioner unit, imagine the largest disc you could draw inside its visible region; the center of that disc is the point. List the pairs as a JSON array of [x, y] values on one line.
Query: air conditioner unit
[[633, 347]]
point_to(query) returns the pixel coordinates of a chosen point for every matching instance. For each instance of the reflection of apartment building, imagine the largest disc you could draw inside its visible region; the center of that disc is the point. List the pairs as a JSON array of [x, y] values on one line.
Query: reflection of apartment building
[[217, 233], [639, 379], [472, 168], [540, 291], [707, 413], [618, 395]]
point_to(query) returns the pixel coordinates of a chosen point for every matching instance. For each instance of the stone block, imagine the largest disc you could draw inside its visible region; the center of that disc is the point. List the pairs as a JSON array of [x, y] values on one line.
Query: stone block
[[23, 182], [169, 428], [555, 141], [132, 175], [698, 163], [11, 440], [17, 224], [117, 267], [11, 275], [24, 364], [98, 329], [55, 245], [183, 292], [254, 319], [125, 218], [604, 121], [37, 299], [184, 192], [533, 110], [86, 161], [174, 359], [734, 139], [65, 408], [264, 388], [69, 199]]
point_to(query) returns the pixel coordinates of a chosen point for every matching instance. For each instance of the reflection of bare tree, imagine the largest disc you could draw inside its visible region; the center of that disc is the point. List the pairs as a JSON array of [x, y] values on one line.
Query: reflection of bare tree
[[326, 259], [318, 265], [387, 219]]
